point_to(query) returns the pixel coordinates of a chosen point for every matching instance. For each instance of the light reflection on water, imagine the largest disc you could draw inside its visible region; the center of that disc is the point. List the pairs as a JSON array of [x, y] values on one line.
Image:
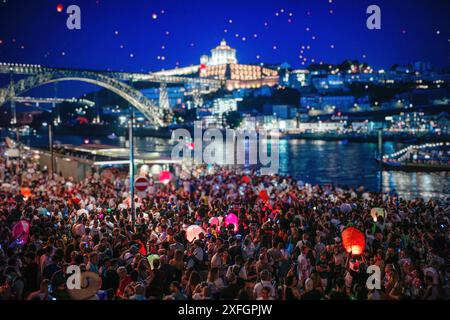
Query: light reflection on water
[[320, 162]]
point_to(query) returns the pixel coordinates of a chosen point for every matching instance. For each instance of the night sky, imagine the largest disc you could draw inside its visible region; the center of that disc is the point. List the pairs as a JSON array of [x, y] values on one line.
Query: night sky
[[146, 36]]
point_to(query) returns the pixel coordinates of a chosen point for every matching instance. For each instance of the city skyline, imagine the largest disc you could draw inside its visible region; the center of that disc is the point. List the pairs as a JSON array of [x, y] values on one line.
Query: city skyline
[[146, 36]]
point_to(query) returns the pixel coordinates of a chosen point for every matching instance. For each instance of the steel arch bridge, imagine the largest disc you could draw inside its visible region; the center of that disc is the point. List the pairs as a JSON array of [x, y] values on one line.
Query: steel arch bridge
[[113, 81], [147, 107]]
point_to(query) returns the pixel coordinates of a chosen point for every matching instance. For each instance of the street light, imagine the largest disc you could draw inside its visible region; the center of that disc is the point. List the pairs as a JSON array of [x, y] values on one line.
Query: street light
[[131, 142]]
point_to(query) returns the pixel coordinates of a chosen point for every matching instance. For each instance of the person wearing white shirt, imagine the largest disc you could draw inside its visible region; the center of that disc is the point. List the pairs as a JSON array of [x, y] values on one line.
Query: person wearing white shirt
[[304, 266], [264, 283]]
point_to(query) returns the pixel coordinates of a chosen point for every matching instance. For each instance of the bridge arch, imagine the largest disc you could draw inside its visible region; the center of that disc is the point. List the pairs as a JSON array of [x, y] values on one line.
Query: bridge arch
[[146, 106]]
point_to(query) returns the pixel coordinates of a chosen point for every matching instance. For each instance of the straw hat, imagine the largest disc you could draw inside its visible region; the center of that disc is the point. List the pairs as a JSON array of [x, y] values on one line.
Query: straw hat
[[90, 283]]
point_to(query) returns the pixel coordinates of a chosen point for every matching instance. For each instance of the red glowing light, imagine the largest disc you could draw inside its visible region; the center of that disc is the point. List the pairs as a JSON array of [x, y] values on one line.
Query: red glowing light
[[59, 7], [164, 176], [246, 179], [263, 195], [353, 240]]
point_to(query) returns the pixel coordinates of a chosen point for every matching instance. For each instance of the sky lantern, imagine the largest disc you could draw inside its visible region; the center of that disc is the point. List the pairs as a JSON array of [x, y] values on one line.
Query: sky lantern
[[263, 195], [59, 7], [232, 219], [246, 179], [26, 192], [193, 232], [353, 240], [377, 212], [20, 231], [164, 177], [214, 221]]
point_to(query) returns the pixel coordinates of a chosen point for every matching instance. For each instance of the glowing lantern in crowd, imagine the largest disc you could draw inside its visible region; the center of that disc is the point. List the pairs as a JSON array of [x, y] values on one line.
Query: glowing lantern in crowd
[[232, 219], [214, 221], [263, 195], [26, 192], [246, 179], [144, 170], [377, 212], [193, 232], [20, 231], [152, 258], [164, 177], [353, 240], [155, 169]]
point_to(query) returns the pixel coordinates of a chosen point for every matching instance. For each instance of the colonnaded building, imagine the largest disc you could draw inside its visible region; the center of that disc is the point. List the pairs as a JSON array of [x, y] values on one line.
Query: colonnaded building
[[223, 65]]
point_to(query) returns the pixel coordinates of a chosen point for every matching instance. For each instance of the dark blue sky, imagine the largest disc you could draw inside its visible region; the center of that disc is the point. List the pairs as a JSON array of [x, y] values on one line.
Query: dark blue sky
[[34, 32]]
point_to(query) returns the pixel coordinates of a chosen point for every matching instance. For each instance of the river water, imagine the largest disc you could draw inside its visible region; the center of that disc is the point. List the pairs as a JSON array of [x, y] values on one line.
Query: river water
[[316, 161]]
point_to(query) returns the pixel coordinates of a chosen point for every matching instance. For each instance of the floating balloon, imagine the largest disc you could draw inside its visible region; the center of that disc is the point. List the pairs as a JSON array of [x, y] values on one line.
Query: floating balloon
[[193, 232], [232, 219], [353, 240], [377, 212]]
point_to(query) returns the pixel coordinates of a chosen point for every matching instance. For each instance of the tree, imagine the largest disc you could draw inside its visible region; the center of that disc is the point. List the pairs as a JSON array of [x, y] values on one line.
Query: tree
[[233, 119]]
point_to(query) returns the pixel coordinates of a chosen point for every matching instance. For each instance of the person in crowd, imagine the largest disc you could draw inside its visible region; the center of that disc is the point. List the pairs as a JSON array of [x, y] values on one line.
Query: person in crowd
[[285, 246]]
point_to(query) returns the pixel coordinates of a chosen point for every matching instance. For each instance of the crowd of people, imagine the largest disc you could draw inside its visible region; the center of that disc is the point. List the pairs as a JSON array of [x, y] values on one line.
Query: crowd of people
[[287, 246]]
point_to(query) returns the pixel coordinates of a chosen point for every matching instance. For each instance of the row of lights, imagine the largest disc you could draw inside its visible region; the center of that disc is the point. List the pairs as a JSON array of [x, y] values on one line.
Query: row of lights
[[416, 147], [20, 65]]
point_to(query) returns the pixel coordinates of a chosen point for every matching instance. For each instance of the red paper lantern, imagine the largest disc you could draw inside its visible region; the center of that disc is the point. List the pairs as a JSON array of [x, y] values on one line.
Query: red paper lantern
[[263, 195], [164, 176], [353, 240], [21, 230], [246, 179], [26, 192]]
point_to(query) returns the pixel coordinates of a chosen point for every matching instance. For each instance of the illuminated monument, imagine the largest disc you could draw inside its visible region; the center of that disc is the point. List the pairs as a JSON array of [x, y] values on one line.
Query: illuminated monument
[[222, 54], [223, 65]]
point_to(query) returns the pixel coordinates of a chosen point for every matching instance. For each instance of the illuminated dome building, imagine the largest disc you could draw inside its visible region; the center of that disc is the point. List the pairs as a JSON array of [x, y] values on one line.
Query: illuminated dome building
[[222, 54], [223, 65]]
